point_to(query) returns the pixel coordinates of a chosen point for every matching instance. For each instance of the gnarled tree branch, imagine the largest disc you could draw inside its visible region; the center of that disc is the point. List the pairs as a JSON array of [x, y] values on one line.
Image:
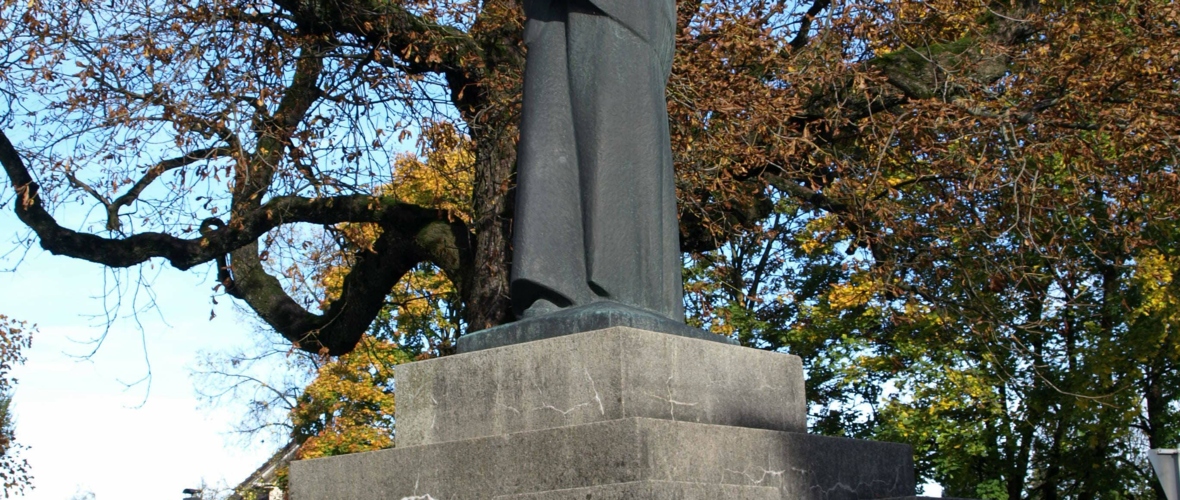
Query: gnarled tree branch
[[336, 331], [410, 235], [184, 253]]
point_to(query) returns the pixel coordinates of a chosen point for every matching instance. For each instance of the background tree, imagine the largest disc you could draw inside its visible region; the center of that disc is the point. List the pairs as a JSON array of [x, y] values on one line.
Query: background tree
[[1007, 216], [14, 470], [267, 116], [346, 404]]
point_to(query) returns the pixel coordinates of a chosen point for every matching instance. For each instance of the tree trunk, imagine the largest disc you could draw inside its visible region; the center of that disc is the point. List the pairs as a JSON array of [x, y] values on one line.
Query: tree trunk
[[486, 295]]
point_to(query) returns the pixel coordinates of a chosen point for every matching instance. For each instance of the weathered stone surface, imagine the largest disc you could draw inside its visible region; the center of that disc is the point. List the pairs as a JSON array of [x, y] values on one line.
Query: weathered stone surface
[[597, 376], [655, 490], [925, 498], [594, 316], [798, 466]]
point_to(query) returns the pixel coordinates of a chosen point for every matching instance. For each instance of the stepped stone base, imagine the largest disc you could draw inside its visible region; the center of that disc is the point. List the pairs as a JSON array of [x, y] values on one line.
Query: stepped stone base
[[634, 455], [618, 413]]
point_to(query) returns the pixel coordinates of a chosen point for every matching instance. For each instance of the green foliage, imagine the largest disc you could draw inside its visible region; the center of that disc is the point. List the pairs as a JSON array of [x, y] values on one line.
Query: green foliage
[[1015, 369], [996, 290], [770, 289]]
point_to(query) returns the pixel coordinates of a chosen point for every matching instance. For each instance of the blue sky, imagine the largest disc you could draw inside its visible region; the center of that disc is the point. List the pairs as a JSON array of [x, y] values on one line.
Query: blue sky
[[88, 431]]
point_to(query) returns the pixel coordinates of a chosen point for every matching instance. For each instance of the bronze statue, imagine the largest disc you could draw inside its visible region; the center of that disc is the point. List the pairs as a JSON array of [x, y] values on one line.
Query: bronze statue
[[596, 241], [596, 202]]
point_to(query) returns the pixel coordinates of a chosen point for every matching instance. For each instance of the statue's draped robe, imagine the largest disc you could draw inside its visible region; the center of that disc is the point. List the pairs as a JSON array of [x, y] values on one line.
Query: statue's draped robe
[[596, 201]]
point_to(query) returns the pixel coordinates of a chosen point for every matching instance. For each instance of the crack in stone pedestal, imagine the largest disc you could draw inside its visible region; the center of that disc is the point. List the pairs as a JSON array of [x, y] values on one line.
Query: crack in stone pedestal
[[760, 480], [601, 409], [564, 413], [641, 374]]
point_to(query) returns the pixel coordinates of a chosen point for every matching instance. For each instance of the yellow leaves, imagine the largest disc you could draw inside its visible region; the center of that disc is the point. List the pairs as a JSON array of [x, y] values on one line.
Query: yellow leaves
[[1157, 316], [361, 235], [1154, 270], [349, 407], [1154, 276], [857, 292], [724, 323], [820, 233], [444, 180]]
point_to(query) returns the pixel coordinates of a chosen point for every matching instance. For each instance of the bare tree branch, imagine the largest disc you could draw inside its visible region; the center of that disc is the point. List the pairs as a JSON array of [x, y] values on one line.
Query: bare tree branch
[[152, 174], [803, 35]]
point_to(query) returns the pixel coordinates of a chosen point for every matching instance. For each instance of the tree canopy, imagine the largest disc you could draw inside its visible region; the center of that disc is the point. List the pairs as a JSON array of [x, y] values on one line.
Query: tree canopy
[[962, 215]]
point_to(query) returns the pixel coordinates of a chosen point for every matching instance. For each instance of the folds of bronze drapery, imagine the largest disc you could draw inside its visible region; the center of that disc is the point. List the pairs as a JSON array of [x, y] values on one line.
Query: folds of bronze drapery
[[596, 201]]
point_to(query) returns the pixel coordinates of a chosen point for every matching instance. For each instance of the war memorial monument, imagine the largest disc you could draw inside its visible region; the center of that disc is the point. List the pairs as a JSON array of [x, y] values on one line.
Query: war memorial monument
[[600, 391]]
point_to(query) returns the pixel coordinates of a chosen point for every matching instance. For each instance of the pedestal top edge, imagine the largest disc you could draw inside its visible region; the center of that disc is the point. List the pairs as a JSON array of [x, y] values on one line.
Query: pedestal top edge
[[611, 334]]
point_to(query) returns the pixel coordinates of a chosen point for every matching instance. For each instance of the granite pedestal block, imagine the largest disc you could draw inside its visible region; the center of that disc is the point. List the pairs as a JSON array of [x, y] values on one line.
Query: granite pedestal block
[[655, 490], [597, 376], [606, 458], [618, 413]]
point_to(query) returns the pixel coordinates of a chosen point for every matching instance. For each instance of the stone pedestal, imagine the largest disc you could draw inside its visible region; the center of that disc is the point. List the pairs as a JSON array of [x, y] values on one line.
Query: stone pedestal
[[618, 413]]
